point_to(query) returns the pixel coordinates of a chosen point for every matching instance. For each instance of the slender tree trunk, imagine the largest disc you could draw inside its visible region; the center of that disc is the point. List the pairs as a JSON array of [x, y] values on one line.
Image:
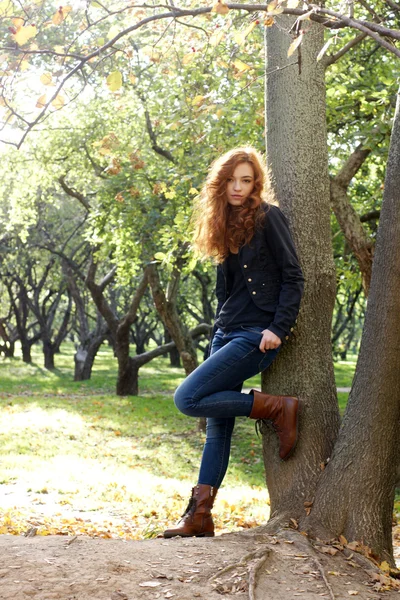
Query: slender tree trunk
[[170, 318], [174, 356], [297, 155], [48, 353], [356, 491], [26, 352]]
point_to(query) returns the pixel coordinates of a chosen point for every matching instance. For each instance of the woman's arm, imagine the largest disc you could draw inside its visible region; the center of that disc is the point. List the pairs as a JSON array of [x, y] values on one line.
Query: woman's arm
[[280, 242]]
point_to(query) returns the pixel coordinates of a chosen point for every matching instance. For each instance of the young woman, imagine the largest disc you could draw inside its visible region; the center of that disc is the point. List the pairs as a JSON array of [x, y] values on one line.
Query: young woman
[[259, 288]]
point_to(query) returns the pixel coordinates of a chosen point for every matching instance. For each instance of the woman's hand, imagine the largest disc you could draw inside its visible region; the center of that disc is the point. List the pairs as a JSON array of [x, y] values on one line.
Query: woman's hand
[[269, 341]]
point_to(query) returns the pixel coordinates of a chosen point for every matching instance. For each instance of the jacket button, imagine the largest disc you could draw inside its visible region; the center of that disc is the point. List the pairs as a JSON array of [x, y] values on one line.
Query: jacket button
[[292, 329], [245, 266], [249, 279], [287, 337], [254, 293]]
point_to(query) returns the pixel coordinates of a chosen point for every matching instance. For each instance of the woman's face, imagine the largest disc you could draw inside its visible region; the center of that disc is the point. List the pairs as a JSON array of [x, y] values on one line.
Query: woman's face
[[240, 185]]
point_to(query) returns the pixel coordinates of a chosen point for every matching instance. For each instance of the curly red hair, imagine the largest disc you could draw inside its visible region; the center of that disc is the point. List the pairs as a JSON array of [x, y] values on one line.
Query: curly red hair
[[219, 226]]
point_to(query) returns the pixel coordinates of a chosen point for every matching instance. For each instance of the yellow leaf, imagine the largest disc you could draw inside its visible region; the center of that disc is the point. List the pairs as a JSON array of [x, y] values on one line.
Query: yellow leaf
[[18, 22], [277, 11], [41, 101], [250, 28], [193, 191], [272, 5], [58, 17], [198, 100], [220, 8], [216, 38], [222, 63], [219, 113], [343, 540], [113, 32], [114, 81], [24, 65], [324, 48], [384, 566], [240, 37], [61, 14], [269, 21], [240, 65], [6, 8], [293, 3], [46, 78], [175, 125], [294, 45], [59, 49], [24, 34], [188, 58], [132, 78], [58, 102]]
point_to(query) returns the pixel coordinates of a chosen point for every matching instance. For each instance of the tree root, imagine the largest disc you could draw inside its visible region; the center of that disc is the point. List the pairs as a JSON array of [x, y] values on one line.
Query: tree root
[[253, 575], [243, 562]]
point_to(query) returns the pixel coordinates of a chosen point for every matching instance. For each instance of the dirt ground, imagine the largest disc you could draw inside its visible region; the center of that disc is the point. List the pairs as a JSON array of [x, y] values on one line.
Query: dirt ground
[[247, 565]]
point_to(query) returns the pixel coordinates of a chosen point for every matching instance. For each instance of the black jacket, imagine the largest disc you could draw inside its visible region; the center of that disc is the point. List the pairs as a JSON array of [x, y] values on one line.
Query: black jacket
[[272, 272]]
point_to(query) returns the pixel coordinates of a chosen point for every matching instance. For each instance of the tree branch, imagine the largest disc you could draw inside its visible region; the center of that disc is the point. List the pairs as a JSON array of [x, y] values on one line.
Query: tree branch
[[352, 165], [330, 60], [74, 193]]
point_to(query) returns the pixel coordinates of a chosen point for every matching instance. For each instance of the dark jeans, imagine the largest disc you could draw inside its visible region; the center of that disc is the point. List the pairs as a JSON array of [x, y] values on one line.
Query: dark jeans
[[213, 390]]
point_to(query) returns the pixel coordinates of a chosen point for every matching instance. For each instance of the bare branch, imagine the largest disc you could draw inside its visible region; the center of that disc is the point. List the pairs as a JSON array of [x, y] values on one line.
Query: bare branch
[[330, 60], [107, 279], [74, 193], [352, 165], [372, 215]]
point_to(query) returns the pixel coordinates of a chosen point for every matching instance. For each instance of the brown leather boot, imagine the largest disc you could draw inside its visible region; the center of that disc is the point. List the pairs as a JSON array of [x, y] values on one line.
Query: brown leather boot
[[196, 521], [283, 411]]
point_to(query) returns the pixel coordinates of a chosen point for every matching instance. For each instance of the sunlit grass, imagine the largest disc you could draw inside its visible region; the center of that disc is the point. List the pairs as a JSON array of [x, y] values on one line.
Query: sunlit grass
[[77, 458]]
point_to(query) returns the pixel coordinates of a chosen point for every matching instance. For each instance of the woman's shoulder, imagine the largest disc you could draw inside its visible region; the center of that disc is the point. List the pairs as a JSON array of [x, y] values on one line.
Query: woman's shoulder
[[272, 214]]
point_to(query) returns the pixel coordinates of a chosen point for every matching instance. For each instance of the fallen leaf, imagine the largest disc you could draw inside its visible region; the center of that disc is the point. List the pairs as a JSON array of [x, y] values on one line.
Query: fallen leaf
[[352, 593], [353, 545], [343, 540], [150, 584], [384, 566], [328, 550]]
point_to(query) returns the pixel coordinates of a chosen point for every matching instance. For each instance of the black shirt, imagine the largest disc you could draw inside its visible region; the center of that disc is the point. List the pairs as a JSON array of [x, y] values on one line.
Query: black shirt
[[239, 308]]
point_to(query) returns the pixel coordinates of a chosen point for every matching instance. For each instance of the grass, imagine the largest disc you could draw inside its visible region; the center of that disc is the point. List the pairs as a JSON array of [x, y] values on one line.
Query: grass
[[76, 458]]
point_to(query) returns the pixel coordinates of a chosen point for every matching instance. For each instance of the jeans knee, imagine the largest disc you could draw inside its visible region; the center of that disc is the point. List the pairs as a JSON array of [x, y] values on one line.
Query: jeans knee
[[183, 402]]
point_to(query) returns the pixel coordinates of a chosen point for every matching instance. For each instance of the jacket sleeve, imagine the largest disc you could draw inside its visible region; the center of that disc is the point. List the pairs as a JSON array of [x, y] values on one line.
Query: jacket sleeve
[[280, 242]]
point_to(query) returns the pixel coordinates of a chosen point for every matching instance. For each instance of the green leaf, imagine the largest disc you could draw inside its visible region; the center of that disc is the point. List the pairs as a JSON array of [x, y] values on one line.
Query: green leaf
[[114, 81]]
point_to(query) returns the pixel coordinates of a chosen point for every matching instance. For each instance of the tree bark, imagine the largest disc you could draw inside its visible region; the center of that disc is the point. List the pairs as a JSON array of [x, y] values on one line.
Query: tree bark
[[356, 491], [296, 142]]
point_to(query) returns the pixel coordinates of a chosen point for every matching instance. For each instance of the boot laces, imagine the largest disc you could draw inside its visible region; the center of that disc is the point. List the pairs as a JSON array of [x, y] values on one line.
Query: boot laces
[[191, 507]]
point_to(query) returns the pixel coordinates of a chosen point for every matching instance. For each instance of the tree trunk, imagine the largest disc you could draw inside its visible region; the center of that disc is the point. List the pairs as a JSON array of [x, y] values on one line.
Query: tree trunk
[[170, 318], [84, 359], [356, 491], [174, 356], [48, 352], [296, 143], [128, 377], [26, 352]]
